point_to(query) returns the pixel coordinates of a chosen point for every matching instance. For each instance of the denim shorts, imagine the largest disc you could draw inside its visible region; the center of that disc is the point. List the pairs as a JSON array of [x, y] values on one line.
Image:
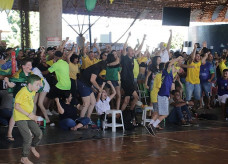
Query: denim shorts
[[206, 88], [83, 89], [192, 89]]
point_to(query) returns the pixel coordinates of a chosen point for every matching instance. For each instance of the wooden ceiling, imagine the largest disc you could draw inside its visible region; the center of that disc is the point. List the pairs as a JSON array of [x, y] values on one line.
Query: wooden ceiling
[[201, 10]]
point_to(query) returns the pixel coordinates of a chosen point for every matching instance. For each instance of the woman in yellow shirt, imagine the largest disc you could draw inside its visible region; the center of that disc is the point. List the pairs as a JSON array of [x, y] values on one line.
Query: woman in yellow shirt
[[74, 69]]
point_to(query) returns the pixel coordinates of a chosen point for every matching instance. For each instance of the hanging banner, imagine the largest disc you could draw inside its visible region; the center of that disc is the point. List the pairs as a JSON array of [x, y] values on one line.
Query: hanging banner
[[53, 41], [90, 4], [6, 4]]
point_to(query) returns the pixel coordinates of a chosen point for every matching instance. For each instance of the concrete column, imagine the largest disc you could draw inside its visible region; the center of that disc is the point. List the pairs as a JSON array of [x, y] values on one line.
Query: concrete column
[[50, 20]]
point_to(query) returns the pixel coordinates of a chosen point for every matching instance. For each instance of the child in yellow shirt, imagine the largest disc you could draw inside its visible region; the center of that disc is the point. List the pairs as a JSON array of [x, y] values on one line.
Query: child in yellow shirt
[[25, 119]]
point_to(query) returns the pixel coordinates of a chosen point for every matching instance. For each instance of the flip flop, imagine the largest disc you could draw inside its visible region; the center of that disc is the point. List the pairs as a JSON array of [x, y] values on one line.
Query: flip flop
[[9, 139]]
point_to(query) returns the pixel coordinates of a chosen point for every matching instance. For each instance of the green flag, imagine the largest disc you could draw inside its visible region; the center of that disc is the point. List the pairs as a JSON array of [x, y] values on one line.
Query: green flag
[[90, 4]]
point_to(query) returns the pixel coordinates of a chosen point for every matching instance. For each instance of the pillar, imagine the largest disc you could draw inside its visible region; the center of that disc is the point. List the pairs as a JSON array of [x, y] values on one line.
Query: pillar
[[50, 20]]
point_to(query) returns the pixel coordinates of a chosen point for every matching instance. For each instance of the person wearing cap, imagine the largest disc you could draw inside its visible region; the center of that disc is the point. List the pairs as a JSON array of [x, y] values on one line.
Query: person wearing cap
[[61, 69]]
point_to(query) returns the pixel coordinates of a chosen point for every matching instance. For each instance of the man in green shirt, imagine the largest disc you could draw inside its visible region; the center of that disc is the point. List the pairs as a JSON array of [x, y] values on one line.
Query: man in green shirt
[[61, 69]]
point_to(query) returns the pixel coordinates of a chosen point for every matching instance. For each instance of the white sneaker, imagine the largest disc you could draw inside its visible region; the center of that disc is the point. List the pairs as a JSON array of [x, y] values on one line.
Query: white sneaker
[[54, 112], [48, 112]]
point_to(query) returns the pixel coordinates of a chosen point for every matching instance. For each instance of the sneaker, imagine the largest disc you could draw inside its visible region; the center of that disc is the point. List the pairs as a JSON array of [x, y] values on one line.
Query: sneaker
[[151, 129], [48, 112], [54, 112], [91, 123]]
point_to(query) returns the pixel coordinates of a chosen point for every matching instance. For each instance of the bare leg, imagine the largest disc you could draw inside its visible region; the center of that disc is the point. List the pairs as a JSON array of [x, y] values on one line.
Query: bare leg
[[77, 127], [126, 101], [85, 105], [35, 153], [10, 130], [161, 118], [92, 105], [134, 101], [25, 160], [41, 105], [118, 97]]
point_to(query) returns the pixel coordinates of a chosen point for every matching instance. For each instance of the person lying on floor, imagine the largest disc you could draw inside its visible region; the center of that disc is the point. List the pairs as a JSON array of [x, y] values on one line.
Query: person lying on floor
[[68, 117]]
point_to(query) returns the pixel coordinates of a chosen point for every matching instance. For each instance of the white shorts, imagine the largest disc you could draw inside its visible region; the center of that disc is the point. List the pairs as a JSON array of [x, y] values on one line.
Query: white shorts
[[223, 98], [46, 86], [163, 105]]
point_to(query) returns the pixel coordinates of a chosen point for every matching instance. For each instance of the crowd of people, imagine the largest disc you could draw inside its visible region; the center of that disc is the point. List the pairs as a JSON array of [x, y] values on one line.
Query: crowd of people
[[73, 82]]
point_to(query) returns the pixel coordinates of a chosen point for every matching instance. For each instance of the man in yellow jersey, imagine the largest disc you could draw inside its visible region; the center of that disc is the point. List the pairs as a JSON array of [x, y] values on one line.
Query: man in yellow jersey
[[193, 73], [88, 60]]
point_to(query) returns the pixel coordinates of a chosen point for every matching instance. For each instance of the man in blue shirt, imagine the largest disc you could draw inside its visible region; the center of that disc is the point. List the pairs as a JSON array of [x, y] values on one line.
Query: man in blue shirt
[[207, 74], [163, 94], [223, 90]]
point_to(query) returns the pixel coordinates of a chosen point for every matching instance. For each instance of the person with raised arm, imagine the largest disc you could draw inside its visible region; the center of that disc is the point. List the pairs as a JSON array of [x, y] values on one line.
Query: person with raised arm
[[193, 76], [163, 95], [127, 80], [164, 50]]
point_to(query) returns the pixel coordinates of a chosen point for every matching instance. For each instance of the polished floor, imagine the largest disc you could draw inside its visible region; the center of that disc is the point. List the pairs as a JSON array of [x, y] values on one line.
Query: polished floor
[[206, 143]]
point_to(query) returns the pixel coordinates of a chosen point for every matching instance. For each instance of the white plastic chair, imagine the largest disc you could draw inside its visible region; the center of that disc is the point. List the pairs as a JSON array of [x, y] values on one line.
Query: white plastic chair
[[113, 124], [144, 119]]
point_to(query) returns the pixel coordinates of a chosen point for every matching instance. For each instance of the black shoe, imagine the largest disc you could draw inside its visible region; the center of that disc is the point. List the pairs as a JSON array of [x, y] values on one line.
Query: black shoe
[[150, 129]]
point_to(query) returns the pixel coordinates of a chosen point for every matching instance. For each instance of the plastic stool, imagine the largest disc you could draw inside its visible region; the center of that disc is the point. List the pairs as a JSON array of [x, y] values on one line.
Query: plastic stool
[[144, 119], [113, 124]]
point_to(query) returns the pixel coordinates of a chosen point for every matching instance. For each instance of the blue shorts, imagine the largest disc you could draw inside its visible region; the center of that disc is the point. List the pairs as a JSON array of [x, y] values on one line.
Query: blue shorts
[[83, 89], [100, 80], [114, 83], [206, 88]]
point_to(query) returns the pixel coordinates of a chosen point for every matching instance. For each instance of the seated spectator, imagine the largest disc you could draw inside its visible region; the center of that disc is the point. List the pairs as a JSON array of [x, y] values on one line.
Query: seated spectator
[[102, 104], [179, 107], [69, 119]]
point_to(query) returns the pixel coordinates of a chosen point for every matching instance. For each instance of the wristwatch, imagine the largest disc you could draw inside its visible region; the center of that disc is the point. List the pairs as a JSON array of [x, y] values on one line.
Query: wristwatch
[[187, 102]]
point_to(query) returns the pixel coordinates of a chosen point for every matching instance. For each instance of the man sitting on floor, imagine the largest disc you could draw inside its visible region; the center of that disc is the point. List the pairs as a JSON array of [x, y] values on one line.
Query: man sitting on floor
[[180, 111]]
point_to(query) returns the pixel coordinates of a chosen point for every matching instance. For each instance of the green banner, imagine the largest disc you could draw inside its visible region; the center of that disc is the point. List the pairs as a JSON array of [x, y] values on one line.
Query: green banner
[[90, 4]]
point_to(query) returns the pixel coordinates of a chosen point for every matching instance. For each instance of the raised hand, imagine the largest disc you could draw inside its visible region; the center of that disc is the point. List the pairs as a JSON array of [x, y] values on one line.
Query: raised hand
[[204, 44]]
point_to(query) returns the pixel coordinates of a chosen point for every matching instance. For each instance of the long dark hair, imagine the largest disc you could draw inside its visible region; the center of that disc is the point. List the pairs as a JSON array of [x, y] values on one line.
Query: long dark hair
[[111, 58], [154, 64], [74, 56]]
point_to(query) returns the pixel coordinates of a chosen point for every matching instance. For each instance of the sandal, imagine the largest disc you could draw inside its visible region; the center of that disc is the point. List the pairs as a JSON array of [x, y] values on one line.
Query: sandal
[[9, 139]]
